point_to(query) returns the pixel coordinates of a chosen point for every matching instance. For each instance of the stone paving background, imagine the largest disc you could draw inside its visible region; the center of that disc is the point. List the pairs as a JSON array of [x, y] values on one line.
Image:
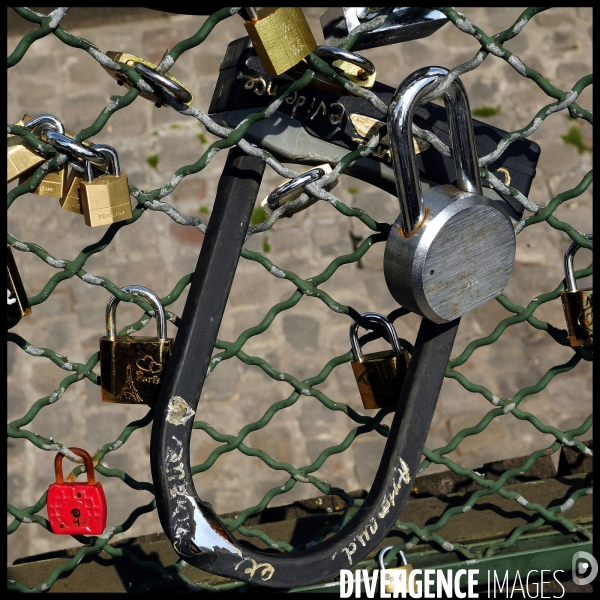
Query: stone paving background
[[156, 253]]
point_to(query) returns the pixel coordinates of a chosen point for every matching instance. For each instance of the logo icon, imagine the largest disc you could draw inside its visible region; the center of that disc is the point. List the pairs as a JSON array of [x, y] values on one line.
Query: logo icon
[[585, 568]]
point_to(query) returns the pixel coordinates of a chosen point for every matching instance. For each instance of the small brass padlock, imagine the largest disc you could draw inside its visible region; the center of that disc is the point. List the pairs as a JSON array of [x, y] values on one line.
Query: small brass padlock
[[52, 185], [70, 199], [18, 305], [577, 304], [132, 367], [105, 200], [379, 375], [281, 36], [396, 583], [21, 157]]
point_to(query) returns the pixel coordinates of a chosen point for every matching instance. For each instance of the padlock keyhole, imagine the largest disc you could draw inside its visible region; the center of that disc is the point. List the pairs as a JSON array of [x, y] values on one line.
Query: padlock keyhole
[[76, 514]]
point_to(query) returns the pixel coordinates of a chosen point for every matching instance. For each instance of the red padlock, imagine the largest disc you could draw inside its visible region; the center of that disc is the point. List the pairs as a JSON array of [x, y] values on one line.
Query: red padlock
[[76, 508]]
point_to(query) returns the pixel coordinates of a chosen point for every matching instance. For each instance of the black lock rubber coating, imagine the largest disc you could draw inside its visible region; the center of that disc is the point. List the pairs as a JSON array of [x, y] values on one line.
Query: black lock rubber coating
[[194, 529]]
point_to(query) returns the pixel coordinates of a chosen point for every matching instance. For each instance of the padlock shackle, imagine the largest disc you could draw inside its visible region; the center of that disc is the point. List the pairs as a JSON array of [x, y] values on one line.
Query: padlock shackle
[[405, 102], [87, 459], [382, 554], [373, 316], [114, 167], [136, 290], [280, 193], [333, 53], [45, 121], [570, 283]]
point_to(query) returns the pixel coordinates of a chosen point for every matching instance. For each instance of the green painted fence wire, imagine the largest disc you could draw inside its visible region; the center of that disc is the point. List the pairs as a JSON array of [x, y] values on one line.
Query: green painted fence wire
[[300, 289]]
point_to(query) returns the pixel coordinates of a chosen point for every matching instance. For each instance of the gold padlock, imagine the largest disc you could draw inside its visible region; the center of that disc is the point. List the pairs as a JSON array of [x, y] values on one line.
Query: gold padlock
[[105, 200], [21, 157], [379, 375], [70, 199], [18, 305], [52, 185], [396, 582], [132, 367], [160, 82], [577, 304], [281, 37]]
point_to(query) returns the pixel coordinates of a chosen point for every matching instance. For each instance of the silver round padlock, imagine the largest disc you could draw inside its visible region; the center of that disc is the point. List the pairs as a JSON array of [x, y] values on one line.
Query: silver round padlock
[[451, 249]]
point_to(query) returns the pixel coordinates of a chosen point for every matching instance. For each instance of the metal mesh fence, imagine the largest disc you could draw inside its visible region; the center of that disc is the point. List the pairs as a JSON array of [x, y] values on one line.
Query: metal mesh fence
[[306, 290]]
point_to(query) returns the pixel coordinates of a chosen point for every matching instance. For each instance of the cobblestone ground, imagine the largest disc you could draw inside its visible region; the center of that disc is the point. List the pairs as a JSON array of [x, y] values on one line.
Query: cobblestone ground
[[156, 253]]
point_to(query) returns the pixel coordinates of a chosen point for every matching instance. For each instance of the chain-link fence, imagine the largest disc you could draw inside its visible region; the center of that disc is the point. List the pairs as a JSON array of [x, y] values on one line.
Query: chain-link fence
[[294, 390]]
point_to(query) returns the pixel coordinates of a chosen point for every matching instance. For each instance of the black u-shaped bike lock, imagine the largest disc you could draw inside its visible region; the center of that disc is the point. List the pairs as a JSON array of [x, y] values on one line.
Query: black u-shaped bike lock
[[192, 526]]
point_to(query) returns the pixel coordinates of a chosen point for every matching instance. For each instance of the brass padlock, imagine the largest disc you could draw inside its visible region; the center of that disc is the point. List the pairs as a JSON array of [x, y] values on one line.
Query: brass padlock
[[379, 375], [577, 304], [396, 582], [132, 367], [70, 199], [281, 36], [53, 184], [105, 200], [18, 305], [21, 157], [161, 83]]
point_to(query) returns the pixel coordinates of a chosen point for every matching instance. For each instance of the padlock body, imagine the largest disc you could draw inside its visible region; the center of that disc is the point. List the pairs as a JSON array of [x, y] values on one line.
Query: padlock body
[[21, 158], [105, 200], [132, 368], [18, 305], [282, 38], [77, 508], [380, 376], [53, 184], [70, 199], [395, 587], [579, 313], [458, 258]]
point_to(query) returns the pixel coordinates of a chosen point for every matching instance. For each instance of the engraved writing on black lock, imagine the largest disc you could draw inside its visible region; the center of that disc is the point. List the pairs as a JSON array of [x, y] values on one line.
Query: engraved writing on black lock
[[243, 84]]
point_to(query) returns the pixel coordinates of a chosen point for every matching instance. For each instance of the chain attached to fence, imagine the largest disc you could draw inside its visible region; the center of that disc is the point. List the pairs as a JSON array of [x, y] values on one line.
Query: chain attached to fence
[[307, 290]]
